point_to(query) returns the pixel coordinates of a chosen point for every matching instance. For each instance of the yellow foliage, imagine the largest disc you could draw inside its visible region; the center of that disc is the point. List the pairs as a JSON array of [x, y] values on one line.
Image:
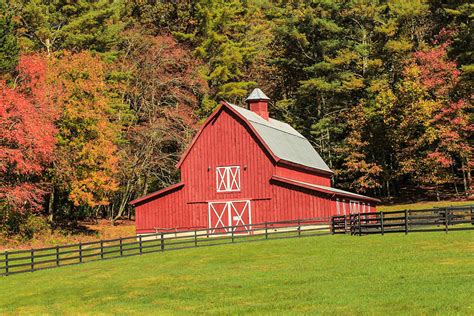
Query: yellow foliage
[[86, 158]]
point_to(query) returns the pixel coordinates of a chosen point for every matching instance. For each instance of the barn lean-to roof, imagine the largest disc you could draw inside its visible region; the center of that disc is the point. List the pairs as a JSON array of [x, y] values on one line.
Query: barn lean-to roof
[[158, 193], [323, 189]]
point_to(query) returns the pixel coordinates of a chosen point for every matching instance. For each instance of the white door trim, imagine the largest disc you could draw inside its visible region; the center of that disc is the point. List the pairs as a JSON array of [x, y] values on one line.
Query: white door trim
[[231, 210]]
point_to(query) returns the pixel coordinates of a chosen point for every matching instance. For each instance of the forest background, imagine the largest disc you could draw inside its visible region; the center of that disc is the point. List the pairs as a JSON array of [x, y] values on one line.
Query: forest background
[[98, 99]]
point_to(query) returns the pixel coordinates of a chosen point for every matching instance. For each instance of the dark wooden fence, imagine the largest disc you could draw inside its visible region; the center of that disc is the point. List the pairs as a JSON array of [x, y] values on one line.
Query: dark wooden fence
[[437, 219], [12, 262]]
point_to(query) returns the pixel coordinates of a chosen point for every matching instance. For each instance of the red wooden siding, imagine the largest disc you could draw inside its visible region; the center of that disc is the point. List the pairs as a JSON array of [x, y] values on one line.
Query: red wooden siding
[[291, 203], [170, 211], [302, 175], [226, 142]]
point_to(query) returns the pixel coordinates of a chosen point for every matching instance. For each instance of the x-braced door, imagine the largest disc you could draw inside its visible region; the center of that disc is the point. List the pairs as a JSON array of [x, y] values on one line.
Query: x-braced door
[[222, 215]]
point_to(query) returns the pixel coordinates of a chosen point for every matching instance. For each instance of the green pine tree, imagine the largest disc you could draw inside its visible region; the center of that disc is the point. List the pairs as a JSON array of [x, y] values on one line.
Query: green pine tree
[[76, 25], [9, 49], [232, 37]]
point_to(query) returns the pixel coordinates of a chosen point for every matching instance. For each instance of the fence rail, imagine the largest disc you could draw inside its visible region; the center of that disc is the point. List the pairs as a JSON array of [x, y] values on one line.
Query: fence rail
[[437, 219], [21, 261]]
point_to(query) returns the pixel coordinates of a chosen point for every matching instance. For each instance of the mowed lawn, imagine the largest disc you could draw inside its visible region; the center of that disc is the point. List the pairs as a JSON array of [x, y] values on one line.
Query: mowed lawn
[[421, 273]]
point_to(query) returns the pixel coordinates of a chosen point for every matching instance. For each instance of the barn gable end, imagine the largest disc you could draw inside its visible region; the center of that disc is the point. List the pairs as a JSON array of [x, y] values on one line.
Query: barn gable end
[[226, 141]]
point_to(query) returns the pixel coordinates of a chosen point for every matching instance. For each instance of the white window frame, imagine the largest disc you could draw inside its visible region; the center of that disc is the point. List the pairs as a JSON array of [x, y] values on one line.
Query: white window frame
[[354, 206], [228, 179]]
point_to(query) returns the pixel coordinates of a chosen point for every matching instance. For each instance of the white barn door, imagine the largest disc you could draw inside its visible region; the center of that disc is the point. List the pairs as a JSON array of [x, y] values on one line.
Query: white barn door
[[229, 213]]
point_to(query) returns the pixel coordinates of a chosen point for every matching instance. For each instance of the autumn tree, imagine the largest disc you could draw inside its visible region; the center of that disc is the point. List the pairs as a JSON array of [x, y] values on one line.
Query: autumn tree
[[27, 130], [86, 157], [434, 127], [360, 171], [164, 93]]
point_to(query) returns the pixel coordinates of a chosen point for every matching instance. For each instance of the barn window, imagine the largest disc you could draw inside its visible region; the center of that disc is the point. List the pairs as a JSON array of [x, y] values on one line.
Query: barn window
[[354, 207], [228, 179]]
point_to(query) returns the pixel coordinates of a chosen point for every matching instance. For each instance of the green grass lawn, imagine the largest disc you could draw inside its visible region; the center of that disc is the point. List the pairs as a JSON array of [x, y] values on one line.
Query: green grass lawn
[[421, 205], [426, 273]]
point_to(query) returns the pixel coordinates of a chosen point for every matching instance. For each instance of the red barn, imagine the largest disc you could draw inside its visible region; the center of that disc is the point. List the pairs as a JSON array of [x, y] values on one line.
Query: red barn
[[244, 167]]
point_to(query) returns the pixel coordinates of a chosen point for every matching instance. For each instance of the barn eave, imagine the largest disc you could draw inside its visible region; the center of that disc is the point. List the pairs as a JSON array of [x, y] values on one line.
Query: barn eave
[[157, 194]]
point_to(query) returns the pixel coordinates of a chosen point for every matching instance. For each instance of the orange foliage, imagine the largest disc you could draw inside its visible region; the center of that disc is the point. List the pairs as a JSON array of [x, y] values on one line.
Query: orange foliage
[[86, 160]]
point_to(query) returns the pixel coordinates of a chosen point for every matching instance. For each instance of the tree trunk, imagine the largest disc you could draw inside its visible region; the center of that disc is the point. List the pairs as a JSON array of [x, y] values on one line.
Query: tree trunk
[[51, 206], [464, 178], [145, 186], [454, 181], [124, 201], [469, 179]]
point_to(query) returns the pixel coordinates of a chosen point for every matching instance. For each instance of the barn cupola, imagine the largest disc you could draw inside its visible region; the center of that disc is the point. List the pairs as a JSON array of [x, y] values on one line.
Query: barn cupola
[[258, 103]]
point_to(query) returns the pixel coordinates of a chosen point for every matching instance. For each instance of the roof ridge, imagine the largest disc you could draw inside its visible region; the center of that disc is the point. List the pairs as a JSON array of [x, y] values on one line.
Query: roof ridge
[[281, 139], [269, 125], [280, 130]]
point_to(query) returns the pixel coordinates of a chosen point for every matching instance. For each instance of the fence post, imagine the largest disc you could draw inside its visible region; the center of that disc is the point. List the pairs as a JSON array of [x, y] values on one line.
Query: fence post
[[299, 227], [140, 242], [406, 222], [266, 230], [332, 225], [162, 242], [381, 222], [101, 249], [446, 219], [57, 256], [121, 246], [6, 262], [232, 233], [195, 238], [80, 252], [472, 215], [32, 260], [351, 225], [345, 223], [358, 220]]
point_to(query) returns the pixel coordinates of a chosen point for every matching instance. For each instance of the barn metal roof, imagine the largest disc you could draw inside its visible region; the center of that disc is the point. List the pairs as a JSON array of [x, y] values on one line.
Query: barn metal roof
[[283, 140]]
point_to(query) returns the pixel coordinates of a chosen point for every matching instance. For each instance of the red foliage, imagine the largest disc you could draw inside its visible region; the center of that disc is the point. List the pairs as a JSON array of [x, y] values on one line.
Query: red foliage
[[27, 128], [454, 129], [437, 73], [442, 159]]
